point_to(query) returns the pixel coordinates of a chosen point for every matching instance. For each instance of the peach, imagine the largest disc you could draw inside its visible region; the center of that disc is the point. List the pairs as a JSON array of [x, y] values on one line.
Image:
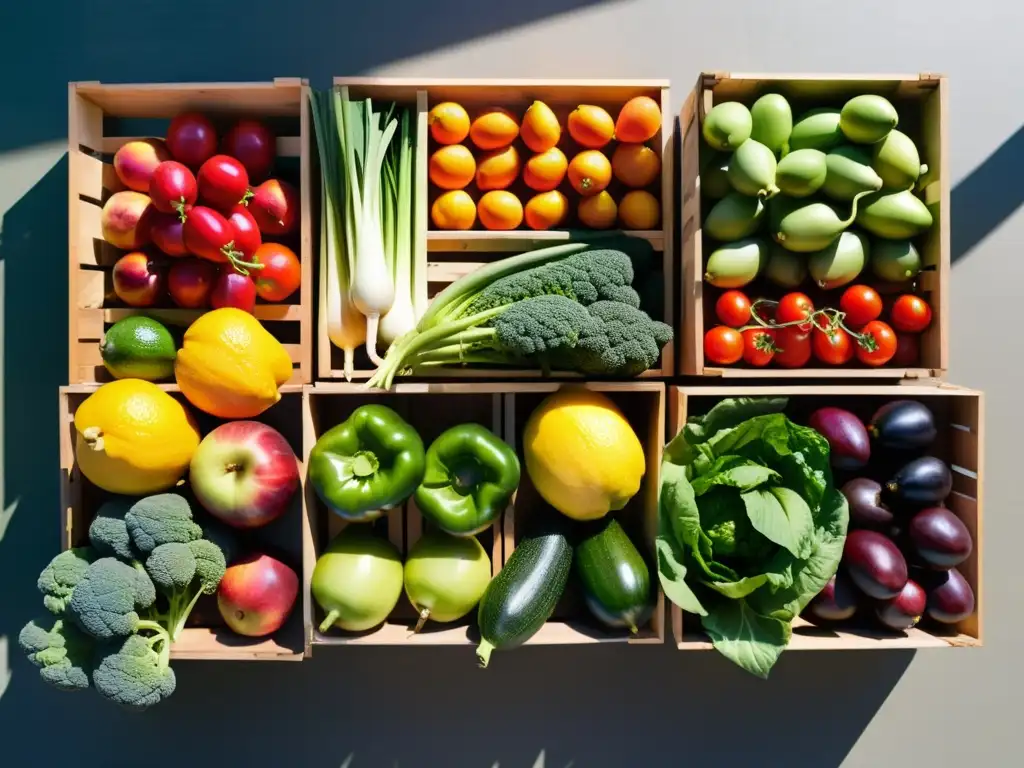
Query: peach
[[257, 594], [275, 206], [125, 220], [138, 280], [135, 162]]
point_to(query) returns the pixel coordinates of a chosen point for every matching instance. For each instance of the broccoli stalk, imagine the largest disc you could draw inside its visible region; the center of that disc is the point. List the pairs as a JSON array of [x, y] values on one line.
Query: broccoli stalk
[[183, 573]]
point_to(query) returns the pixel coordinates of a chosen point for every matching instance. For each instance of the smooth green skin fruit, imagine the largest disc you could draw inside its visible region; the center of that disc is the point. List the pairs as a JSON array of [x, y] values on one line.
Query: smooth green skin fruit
[[734, 265], [849, 173], [139, 347], [367, 464], [816, 129], [897, 161], [752, 170], [867, 118], [895, 260], [445, 576], [812, 227], [714, 180], [727, 126], [734, 217], [771, 121], [357, 581], [615, 579], [894, 215], [801, 173], [841, 262], [785, 269], [470, 477]]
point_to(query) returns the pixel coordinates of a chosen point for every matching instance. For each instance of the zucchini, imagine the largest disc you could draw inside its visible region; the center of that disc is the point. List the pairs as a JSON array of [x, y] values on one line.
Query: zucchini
[[526, 590], [615, 579]]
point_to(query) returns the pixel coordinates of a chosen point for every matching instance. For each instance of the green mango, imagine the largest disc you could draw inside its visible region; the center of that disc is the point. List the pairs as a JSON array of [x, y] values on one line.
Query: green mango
[[734, 265], [895, 260], [772, 121], [734, 217], [801, 173], [714, 179], [727, 126], [849, 173], [812, 226], [752, 170], [841, 262], [894, 215], [867, 118], [816, 129], [785, 269], [897, 162]]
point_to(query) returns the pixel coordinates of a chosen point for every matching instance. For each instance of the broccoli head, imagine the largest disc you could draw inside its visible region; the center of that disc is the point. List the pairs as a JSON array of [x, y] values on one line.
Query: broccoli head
[[171, 566], [105, 601], [60, 577], [621, 341], [135, 675], [539, 326], [62, 653], [184, 572], [164, 518], [210, 565], [108, 532]]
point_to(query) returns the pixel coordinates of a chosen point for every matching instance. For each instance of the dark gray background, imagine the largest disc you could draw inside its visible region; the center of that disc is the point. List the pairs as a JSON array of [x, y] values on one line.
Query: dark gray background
[[584, 706]]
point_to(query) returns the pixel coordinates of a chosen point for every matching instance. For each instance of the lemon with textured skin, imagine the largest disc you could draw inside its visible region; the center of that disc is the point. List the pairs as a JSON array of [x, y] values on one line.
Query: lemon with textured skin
[[582, 455], [133, 438], [230, 366]]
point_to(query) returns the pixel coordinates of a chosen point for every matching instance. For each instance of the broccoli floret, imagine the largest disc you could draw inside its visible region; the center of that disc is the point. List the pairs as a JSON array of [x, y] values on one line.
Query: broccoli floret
[[539, 326], [161, 519], [58, 579], [171, 566], [623, 341], [62, 653], [183, 573], [210, 565], [108, 532], [105, 601], [135, 675]]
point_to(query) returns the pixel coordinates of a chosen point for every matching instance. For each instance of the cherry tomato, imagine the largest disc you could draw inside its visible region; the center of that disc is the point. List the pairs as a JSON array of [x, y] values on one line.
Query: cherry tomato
[[911, 314], [794, 347], [877, 344], [795, 306], [758, 346], [172, 188], [190, 282], [166, 232], [207, 234], [253, 144], [832, 347], [233, 290], [281, 272], [908, 350], [247, 237], [723, 345], [862, 304], [733, 309], [223, 183], [192, 139]]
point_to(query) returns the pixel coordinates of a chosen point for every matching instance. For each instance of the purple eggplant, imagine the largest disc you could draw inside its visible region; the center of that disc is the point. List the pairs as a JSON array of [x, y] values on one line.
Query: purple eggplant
[[848, 441], [939, 538], [875, 564], [904, 610], [867, 510]]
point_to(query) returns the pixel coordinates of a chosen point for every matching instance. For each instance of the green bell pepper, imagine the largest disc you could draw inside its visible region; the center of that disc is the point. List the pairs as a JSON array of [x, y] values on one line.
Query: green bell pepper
[[367, 464], [470, 477]]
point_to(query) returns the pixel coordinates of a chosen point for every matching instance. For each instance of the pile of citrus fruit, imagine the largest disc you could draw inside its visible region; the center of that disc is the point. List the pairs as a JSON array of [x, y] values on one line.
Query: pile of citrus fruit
[[497, 170]]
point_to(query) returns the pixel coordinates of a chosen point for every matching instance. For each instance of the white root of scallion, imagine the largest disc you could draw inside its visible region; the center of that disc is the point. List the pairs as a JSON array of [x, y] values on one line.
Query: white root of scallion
[[402, 316]]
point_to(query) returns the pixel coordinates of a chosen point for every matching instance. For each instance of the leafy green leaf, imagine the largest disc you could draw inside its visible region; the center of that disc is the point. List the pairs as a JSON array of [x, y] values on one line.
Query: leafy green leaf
[[678, 509], [735, 472], [736, 590], [672, 575], [748, 639], [729, 413], [768, 517]]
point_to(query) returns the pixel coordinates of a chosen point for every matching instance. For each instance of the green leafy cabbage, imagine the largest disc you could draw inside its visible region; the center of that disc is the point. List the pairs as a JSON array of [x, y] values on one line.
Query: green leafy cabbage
[[751, 526]]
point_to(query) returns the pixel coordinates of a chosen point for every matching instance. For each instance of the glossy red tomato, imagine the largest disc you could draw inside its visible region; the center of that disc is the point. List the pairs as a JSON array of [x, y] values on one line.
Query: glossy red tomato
[[192, 139], [861, 304], [758, 346], [207, 234], [233, 289], [911, 314], [172, 188], [253, 145], [190, 282], [723, 345], [165, 230], [794, 347], [877, 343], [792, 307], [832, 347], [247, 237], [223, 183], [280, 276], [733, 309]]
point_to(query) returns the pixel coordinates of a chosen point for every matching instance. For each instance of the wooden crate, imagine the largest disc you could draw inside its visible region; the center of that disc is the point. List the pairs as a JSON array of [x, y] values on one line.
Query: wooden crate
[[431, 408], [922, 103], [960, 415], [206, 637], [103, 117], [643, 404], [441, 257]]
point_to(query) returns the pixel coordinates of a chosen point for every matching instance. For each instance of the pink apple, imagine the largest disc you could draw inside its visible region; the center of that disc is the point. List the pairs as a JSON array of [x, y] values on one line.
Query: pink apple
[[257, 594], [244, 473]]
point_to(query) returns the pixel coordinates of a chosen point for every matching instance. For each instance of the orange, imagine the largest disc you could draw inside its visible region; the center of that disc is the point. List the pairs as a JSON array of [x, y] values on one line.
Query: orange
[[498, 168], [546, 210], [598, 211], [638, 121], [639, 209], [500, 209], [635, 165], [453, 210], [591, 126], [449, 123], [545, 171], [452, 167], [589, 172], [494, 128], [540, 129]]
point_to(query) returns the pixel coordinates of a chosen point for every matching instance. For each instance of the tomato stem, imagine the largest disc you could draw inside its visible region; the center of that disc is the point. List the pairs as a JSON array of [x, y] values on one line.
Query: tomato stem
[[245, 198], [235, 257]]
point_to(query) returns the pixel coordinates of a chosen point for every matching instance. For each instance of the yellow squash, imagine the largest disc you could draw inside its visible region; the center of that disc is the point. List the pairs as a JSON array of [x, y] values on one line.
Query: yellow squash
[[230, 366], [133, 438]]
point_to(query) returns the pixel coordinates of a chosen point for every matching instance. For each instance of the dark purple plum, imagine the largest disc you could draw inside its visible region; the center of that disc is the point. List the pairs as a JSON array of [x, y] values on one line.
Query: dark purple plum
[[904, 425], [867, 510], [950, 597], [874, 564], [904, 610], [849, 444], [926, 480], [939, 537], [836, 602]]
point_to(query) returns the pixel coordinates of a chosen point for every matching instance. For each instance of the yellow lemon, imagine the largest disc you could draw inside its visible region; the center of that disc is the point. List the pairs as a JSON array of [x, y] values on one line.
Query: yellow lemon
[[582, 455], [230, 366], [133, 438]]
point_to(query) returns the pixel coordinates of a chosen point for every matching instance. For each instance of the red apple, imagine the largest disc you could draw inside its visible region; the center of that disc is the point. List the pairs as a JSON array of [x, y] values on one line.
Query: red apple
[[257, 594], [191, 281], [233, 289], [138, 280], [135, 161], [244, 473]]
